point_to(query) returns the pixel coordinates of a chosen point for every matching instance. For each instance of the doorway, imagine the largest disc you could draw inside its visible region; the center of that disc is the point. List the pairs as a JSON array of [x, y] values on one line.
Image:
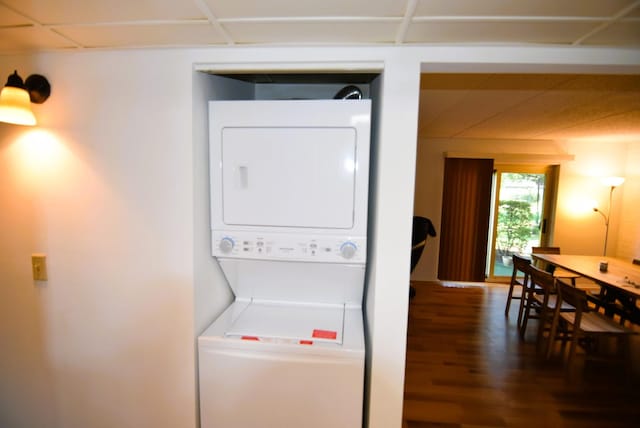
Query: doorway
[[523, 199]]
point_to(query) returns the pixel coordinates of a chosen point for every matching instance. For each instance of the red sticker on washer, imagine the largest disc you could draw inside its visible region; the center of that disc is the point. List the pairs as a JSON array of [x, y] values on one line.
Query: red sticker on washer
[[324, 334], [249, 338], [306, 342]]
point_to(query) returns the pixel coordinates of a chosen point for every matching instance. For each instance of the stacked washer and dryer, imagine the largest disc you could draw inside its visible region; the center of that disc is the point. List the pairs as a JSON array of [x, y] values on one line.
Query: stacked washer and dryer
[[289, 192]]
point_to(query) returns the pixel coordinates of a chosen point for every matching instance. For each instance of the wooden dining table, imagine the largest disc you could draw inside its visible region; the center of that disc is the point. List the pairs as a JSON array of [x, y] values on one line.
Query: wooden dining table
[[620, 281]]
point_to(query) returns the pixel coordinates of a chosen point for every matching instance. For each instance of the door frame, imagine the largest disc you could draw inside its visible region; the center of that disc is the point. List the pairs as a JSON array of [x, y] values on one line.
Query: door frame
[[551, 172]]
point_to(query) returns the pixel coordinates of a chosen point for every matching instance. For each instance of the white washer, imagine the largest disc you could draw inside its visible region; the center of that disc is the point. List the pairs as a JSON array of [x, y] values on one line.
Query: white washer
[[282, 364], [289, 183]]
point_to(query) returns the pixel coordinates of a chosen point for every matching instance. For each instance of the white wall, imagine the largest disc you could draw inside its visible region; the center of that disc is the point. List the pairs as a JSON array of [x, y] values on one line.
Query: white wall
[[386, 301], [579, 230], [111, 196], [104, 187], [629, 230]]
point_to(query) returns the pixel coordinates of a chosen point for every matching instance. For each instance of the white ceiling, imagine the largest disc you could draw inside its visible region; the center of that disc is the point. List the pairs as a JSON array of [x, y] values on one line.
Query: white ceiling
[[27, 25], [461, 106], [530, 107]]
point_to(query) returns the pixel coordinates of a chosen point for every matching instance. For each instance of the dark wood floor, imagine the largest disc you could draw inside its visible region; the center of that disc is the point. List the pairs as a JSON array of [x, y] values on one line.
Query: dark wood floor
[[467, 367]]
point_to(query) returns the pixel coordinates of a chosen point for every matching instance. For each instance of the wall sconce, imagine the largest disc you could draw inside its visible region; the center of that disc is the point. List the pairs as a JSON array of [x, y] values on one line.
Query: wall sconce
[[613, 182], [16, 98]]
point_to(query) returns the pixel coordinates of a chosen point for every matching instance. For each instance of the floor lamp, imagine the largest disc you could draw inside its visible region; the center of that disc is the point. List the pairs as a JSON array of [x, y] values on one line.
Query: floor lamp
[[612, 182]]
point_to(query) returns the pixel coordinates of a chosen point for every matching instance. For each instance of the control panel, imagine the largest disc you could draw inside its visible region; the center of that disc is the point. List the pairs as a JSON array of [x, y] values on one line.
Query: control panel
[[252, 245]]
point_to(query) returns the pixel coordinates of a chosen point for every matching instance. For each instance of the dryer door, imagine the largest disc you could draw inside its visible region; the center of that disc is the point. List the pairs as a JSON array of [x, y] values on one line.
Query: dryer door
[[289, 176]]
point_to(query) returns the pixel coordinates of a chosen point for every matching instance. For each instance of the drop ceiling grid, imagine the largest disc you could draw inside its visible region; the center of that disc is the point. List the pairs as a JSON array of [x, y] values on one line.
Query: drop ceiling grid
[[20, 39], [498, 32], [9, 18], [50, 12], [233, 9], [522, 8], [126, 23], [312, 32], [622, 33], [169, 34]]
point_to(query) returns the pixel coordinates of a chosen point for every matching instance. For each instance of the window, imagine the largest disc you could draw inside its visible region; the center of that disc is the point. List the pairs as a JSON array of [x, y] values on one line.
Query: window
[[523, 202]]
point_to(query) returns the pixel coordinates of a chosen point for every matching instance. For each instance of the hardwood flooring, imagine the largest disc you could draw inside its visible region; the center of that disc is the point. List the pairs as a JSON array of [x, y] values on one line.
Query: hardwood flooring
[[468, 367]]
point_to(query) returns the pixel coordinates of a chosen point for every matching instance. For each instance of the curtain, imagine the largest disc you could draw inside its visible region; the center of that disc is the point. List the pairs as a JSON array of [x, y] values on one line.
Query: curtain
[[464, 228]]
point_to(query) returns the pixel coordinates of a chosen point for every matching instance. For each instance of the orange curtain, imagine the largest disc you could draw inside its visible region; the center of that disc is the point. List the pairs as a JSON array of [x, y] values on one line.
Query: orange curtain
[[464, 228]]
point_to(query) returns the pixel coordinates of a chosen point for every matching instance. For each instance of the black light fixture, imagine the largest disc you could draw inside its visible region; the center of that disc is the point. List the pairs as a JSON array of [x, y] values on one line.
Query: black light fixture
[[17, 95]]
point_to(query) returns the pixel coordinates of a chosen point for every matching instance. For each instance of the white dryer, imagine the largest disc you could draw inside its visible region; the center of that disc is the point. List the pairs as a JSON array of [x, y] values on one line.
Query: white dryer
[[289, 185]]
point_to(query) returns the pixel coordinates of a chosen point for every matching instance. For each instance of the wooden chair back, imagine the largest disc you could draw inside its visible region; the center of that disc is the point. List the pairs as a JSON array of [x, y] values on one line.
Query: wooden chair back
[[545, 250], [519, 278], [520, 267], [542, 279], [578, 299], [573, 296], [537, 303]]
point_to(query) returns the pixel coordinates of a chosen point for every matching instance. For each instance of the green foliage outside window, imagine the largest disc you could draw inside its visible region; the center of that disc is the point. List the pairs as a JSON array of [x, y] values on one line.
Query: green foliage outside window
[[514, 226]]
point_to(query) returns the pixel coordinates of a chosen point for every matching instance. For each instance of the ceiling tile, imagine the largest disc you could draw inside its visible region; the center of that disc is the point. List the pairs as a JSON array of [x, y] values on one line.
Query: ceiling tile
[[555, 110], [306, 8], [520, 7], [626, 83], [10, 18], [621, 33], [312, 32], [476, 108], [496, 32], [435, 105], [143, 35], [452, 81], [451, 103], [619, 125], [528, 106], [517, 81], [22, 39], [77, 11]]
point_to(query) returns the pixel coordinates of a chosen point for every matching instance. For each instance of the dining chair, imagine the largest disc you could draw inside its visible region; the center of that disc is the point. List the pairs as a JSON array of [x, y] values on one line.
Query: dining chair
[[593, 290], [555, 271], [541, 300], [586, 328], [519, 277]]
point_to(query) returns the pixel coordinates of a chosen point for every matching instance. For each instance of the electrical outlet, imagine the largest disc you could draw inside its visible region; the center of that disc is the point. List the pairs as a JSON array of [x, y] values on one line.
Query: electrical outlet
[[39, 267]]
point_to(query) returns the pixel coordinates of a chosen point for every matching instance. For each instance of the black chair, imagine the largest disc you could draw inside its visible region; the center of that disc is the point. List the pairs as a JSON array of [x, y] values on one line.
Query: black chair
[[422, 228]]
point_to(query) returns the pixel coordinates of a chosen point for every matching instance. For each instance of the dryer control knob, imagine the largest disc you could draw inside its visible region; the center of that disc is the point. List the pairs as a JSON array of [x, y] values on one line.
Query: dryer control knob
[[226, 245], [348, 250]]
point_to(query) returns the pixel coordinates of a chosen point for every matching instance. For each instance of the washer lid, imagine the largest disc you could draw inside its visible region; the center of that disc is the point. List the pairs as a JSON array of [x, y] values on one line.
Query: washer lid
[[289, 322]]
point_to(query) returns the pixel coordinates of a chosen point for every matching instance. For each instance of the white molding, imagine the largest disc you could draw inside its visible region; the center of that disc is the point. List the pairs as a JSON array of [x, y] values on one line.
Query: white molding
[[516, 158], [266, 67]]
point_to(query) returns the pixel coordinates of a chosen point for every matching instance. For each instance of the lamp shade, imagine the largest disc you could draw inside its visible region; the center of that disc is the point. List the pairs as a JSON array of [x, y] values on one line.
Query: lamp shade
[[612, 181], [15, 106]]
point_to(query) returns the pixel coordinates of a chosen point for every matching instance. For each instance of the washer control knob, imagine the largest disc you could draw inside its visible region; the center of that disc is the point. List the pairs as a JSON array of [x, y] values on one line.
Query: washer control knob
[[348, 250], [226, 245]]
